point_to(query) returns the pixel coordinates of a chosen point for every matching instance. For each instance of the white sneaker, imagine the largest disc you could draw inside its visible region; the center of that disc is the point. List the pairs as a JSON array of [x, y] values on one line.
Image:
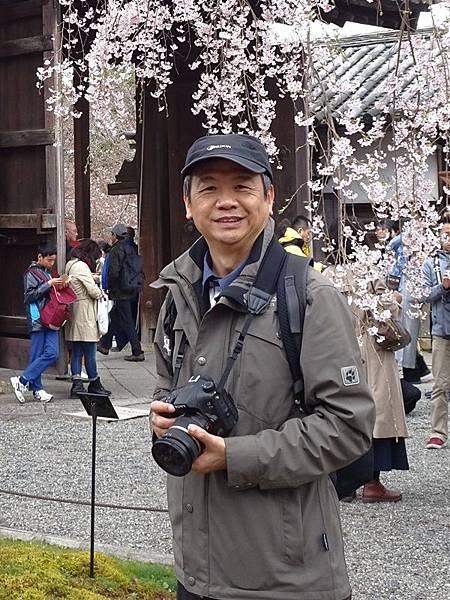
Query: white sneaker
[[42, 396], [84, 375], [19, 389]]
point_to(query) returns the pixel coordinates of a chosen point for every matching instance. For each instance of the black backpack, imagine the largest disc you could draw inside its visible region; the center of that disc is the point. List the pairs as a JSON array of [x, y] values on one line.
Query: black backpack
[[291, 306], [132, 272]]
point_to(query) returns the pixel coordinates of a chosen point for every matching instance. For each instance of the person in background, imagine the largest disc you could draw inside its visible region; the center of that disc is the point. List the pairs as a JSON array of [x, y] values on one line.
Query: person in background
[[71, 237], [134, 302], [44, 348], [390, 430], [436, 279], [121, 318], [415, 370], [382, 232], [82, 329], [296, 238]]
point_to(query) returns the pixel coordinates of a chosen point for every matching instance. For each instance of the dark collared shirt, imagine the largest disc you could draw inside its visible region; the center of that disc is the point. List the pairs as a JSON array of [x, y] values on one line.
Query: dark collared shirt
[[215, 284]]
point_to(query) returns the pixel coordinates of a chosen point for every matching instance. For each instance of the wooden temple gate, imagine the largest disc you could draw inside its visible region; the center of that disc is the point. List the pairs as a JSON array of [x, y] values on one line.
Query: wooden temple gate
[[31, 200]]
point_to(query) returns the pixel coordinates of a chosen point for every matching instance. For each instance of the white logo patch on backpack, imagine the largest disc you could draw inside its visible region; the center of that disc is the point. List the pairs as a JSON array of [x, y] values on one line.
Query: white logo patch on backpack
[[350, 375]]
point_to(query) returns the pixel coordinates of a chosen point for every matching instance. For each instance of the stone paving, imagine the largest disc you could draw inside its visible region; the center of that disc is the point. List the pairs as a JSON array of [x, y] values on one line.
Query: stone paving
[[399, 551]]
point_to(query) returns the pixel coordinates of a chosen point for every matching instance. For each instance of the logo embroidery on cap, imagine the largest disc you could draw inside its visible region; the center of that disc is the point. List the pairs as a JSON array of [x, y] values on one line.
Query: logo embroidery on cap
[[350, 375], [220, 146]]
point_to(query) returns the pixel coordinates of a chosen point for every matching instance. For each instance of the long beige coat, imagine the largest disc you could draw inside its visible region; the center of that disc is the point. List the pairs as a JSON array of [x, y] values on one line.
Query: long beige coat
[[82, 327], [380, 365], [384, 379]]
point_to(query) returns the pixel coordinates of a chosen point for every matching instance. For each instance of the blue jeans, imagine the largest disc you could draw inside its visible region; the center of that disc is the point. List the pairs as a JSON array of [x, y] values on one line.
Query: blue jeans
[[44, 351], [88, 350]]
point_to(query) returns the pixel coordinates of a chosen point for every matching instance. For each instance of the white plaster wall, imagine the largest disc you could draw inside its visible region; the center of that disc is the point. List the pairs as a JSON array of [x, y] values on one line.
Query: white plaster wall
[[388, 173]]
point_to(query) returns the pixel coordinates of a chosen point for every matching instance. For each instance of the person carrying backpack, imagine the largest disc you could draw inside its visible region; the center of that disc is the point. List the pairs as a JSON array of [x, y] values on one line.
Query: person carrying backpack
[[124, 276], [44, 348], [253, 510]]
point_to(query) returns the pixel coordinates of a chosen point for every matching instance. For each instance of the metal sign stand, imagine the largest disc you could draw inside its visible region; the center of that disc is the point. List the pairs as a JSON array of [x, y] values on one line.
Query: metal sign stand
[[96, 405]]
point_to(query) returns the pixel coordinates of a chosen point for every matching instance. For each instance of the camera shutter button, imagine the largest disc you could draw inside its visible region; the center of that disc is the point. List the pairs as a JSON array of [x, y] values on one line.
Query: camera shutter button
[[208, 386], [201, 360]]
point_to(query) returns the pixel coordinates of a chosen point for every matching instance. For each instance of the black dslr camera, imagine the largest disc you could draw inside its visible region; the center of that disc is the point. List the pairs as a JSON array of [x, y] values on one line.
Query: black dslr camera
[[197, 403]]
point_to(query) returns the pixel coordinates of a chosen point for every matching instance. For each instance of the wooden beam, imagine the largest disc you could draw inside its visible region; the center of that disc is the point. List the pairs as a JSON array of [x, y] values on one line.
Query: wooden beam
[[28, 221], [28, 45], [122, 188], [11, 325], [27, 137], [15, 11], [444, 176], [82, 175]]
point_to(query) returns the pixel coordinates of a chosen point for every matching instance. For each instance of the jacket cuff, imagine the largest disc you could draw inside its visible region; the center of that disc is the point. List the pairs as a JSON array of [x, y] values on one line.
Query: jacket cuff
[[436, 292], [243, 467]]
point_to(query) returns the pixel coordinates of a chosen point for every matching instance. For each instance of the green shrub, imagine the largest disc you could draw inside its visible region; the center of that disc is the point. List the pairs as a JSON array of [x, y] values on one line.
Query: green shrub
[[34, 571]]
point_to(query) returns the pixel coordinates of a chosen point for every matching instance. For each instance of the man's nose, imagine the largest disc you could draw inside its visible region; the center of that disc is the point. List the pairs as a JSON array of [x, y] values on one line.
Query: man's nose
[[226, 199]]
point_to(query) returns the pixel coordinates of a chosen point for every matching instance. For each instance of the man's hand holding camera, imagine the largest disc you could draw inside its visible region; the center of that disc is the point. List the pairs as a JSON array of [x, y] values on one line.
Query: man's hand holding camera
[[213, 457]]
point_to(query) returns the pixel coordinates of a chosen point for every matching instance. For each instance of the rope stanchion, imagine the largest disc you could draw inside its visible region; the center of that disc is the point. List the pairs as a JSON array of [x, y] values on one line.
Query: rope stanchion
[[83, 502]]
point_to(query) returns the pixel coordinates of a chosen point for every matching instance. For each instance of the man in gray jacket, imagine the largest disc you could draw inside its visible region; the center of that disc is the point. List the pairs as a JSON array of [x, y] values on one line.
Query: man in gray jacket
[[436, 272], [257, 517]]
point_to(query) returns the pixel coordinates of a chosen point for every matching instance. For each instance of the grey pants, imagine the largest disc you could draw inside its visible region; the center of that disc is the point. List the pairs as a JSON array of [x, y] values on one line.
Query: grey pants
[[441, 373]]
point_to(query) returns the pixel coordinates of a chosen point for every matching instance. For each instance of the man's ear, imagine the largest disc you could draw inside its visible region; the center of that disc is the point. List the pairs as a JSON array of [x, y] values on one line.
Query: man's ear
[[270, 197], [187, 205]]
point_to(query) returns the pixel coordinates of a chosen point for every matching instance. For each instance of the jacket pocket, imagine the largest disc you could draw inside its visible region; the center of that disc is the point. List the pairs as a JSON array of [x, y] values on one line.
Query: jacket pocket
[[292, 519], [265, 385]]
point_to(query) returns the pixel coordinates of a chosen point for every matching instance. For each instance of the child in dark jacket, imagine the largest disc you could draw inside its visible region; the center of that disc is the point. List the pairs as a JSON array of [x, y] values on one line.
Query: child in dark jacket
[[38, 282]]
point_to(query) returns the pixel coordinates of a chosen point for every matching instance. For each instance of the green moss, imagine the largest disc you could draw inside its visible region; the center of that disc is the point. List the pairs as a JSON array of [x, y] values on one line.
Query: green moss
[[33, 571]]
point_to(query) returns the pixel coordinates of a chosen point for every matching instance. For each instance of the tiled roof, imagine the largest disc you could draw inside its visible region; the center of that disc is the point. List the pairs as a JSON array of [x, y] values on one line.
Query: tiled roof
[[366, 61]]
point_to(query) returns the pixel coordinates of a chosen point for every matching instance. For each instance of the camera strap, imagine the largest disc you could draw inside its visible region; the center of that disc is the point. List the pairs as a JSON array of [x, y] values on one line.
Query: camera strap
[[258, 298]]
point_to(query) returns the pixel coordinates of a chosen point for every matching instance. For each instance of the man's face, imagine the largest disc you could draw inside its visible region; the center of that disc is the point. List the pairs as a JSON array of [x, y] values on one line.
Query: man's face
[[305, 234], [382, 234], [445, 237], [47, 262], [71, 232], [227, 203], [113, 239]]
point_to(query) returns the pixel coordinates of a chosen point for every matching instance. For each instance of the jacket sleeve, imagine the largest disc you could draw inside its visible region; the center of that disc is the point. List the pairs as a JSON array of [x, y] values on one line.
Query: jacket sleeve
[[340, 428], [35, 288], [163, 362], [432, 289], [116, 256], [84, 276]]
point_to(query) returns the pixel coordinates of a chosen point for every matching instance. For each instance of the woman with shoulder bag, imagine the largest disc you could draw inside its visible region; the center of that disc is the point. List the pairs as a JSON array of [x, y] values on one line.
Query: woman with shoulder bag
[[82, 329], [383, 378]]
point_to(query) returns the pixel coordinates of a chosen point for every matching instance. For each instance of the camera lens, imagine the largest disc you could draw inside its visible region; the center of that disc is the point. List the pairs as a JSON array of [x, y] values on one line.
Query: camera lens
[[176, 450]]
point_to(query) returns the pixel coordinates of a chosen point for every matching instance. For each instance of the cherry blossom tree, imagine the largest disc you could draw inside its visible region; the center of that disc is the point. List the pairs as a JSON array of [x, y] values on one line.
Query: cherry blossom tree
[[249, 54]]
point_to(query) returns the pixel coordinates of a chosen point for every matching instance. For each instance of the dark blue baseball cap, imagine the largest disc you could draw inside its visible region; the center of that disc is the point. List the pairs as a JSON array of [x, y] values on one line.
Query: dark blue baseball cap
[[245, 150]]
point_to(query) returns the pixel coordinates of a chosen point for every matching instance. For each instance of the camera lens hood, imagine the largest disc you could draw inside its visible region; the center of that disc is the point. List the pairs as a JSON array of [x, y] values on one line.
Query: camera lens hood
[[176, 450]]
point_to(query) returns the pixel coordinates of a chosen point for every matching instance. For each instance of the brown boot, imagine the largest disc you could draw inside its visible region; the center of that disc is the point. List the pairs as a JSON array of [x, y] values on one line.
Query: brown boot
[[374, 491]]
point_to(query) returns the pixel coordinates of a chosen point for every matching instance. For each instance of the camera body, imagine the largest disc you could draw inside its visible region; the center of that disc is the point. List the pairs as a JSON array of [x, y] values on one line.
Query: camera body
[[197, 403]]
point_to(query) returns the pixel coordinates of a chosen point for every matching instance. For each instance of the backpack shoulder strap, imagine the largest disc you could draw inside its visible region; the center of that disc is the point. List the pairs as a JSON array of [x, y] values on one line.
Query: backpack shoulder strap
[[291, 300], [38, 274]]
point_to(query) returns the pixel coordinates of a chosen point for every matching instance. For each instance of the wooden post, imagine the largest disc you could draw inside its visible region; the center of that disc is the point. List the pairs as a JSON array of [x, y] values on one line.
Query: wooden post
[[82, 177]]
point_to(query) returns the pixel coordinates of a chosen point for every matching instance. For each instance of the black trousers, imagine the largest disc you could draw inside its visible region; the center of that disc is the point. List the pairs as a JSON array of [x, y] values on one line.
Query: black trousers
[[122, 326], [183, 594]]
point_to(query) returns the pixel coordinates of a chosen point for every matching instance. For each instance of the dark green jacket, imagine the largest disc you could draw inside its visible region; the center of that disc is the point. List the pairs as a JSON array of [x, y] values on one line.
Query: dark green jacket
[[268, 528]]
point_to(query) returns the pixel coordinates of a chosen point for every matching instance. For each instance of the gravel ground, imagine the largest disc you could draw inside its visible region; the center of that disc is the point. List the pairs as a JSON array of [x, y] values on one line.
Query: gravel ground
[[399, 551]]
